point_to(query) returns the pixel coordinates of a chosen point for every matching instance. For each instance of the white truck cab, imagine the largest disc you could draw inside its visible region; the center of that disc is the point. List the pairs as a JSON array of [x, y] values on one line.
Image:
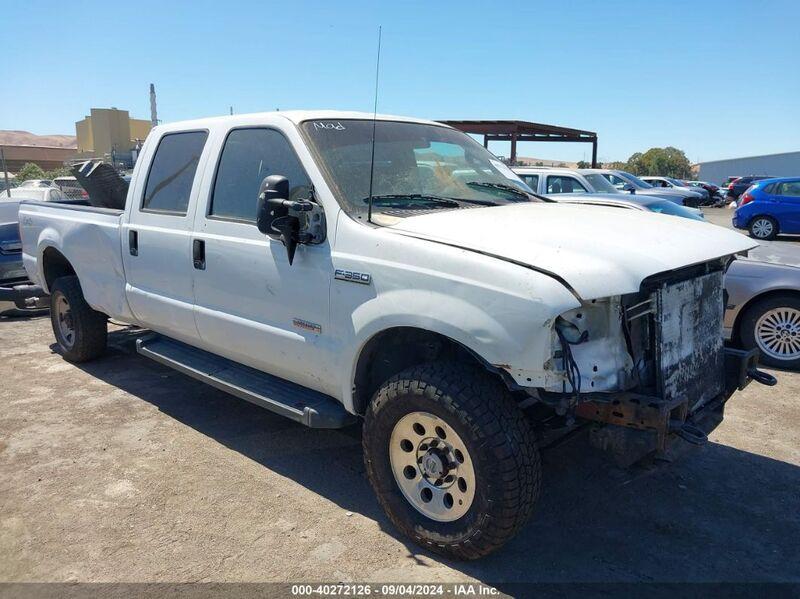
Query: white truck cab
[[332, 266]]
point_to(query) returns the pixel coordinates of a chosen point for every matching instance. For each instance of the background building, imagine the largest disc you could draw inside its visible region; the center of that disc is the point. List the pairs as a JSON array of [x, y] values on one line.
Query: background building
[[110, 133], [775, 165], [47, 151]]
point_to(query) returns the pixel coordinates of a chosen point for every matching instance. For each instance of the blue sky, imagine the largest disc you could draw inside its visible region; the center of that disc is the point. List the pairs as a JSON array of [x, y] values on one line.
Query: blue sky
[[715, 78]]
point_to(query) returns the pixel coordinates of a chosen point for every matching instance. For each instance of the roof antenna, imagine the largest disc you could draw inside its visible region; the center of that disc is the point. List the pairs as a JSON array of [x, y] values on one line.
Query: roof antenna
[[374, 120]]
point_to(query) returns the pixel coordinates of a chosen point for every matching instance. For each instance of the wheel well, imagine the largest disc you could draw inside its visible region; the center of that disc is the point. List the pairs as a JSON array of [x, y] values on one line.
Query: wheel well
[[769, 216], [757, 298], [55, 265], [393, 350]]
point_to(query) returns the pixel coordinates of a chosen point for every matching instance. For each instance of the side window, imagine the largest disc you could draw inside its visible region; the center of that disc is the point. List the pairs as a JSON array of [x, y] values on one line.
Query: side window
[[169, 181], [789, 188], [532, 181], [250, 155], [562, 184], [617, 182]]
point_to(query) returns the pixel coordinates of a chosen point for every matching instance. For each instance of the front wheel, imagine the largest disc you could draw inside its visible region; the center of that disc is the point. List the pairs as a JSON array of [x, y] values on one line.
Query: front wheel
[[763, 227], [81, 332], [451, 459]]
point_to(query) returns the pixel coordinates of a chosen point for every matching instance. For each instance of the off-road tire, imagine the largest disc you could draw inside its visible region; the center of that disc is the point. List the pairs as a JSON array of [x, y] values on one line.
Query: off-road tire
[[494, 430], [747, 326], [769, 237], [90, 326]]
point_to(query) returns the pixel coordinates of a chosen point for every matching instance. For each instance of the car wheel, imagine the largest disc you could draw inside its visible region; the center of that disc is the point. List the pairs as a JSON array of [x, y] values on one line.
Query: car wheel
[[763, 227], [451, 458], [773, 326], [80, 331]]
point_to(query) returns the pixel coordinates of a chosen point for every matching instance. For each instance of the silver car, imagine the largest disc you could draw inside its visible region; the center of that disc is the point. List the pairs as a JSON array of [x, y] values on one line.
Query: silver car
[[763, 304], [627, 182]]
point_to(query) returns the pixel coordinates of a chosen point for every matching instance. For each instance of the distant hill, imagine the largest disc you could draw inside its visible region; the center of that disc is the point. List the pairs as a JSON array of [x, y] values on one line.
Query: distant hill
[[528, 161], [24, 138]]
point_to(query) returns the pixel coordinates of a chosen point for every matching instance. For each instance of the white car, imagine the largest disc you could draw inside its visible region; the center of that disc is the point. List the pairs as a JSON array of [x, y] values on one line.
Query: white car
[[331, 267], [43, 194]]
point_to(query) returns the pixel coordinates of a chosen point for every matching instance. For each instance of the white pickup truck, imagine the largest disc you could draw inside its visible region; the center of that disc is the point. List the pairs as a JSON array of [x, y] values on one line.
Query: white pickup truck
[[331, 267]]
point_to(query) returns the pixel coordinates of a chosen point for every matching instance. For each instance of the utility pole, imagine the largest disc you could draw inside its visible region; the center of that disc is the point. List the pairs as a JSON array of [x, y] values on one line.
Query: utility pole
[[153, 110], [5, 171]]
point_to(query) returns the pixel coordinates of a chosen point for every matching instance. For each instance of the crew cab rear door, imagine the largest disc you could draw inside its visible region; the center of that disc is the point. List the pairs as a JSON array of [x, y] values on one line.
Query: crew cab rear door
[[251, 305], [156, 237]]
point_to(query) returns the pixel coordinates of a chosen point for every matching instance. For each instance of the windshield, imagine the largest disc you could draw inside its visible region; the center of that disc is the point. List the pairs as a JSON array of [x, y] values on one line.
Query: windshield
[[677, 182], [635, 180], [416, 167], [673, 209], [600, 184]]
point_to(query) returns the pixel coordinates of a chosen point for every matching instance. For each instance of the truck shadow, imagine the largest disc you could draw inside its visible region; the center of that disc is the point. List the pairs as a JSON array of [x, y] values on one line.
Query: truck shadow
[[718, 514]]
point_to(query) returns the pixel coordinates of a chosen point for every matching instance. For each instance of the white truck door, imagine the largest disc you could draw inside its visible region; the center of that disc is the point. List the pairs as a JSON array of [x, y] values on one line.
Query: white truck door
[[251, 305], [156, 238]]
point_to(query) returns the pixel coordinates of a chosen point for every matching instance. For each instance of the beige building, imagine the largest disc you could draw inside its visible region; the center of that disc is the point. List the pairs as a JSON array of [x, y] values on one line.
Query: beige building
[[109, 129]]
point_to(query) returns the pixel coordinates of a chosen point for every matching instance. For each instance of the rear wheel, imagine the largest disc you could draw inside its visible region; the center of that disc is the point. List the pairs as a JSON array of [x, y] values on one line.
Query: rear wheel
[[763, 227], [451, 459], [80, 331], [773, 326]]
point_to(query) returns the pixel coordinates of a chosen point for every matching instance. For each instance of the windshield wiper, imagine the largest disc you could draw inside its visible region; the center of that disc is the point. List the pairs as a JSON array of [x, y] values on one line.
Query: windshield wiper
[[422, 198], [515, 190]]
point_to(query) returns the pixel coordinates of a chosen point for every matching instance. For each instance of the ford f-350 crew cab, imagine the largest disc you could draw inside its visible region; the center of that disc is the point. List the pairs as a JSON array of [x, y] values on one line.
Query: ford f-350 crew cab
[[329, 266]]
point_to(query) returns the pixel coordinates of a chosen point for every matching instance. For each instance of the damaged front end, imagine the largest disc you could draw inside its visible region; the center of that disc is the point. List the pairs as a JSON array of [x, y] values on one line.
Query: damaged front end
[[644, 368]]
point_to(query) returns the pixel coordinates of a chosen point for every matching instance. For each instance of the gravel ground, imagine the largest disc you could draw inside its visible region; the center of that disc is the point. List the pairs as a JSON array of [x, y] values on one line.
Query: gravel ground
[[123, 470]]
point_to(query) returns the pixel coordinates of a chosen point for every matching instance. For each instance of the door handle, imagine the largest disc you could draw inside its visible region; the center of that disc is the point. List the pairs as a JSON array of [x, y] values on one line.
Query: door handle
[[199, 254], [133, 242]]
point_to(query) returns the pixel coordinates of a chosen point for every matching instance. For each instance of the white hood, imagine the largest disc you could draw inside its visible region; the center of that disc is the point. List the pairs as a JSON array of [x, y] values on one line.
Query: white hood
[[599, 251]]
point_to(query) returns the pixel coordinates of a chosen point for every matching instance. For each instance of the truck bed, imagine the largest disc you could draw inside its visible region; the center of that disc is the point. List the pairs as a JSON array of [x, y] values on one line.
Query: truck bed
[[88, 238]]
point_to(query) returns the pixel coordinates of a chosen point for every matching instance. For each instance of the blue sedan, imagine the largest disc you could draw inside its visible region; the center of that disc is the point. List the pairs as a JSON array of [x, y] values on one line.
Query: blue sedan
[[770, 207]]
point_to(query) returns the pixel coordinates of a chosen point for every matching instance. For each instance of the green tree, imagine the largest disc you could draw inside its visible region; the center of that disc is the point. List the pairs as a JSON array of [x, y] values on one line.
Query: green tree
[[57, 172], [30, 170], [666, 162]]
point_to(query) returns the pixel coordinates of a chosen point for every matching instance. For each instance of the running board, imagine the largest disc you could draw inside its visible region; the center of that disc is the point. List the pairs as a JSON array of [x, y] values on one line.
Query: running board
[[283, 397]]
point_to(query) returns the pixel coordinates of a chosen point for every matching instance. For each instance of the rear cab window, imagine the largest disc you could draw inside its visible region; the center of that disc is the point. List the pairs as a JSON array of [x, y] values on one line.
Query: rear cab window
[[169, 181]]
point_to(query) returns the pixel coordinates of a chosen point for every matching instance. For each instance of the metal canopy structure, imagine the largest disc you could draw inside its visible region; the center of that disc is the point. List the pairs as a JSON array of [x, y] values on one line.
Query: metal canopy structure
[[516, 131]]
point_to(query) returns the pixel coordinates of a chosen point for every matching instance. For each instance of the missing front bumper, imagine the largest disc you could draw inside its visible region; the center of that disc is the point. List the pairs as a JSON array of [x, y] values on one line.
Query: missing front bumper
[[631, 426]]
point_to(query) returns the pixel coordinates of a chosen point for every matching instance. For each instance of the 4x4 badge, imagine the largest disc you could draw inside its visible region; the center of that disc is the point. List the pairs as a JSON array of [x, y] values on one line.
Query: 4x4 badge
[[352, 276]]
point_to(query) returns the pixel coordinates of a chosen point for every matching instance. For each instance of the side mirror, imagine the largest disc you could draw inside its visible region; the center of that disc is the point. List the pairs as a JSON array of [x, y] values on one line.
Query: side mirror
[[291, 221], [629, 188]]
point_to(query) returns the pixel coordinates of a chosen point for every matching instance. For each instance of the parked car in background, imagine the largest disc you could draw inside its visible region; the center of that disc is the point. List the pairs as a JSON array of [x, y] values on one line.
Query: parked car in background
[[43, 194], [631, 201], [763, 308], [629, 183], [37, 183], [713, 190], [554, 181], [738, 186], [17, 297], [770, 207], [671, 183]]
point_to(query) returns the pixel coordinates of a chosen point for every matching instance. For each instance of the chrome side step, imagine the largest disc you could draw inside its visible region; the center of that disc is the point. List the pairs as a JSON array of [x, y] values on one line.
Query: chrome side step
[[283, 397]]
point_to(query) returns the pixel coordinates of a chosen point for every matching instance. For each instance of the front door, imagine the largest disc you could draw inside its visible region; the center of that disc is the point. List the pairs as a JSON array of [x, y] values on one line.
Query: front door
[[156, 239], [251, 305]]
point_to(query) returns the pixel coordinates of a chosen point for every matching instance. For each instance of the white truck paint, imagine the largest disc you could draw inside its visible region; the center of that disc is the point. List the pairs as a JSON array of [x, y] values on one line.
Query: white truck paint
[[492, 279]]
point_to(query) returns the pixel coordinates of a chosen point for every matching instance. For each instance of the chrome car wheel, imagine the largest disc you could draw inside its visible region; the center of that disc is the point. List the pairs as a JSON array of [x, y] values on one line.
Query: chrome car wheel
[[66, 325], [778, 333], [432, 466], [762, 228]]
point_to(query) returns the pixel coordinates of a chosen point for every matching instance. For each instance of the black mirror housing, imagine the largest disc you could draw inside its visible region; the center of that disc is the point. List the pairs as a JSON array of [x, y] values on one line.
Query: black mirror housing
[[291, 221], [274, 187]]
